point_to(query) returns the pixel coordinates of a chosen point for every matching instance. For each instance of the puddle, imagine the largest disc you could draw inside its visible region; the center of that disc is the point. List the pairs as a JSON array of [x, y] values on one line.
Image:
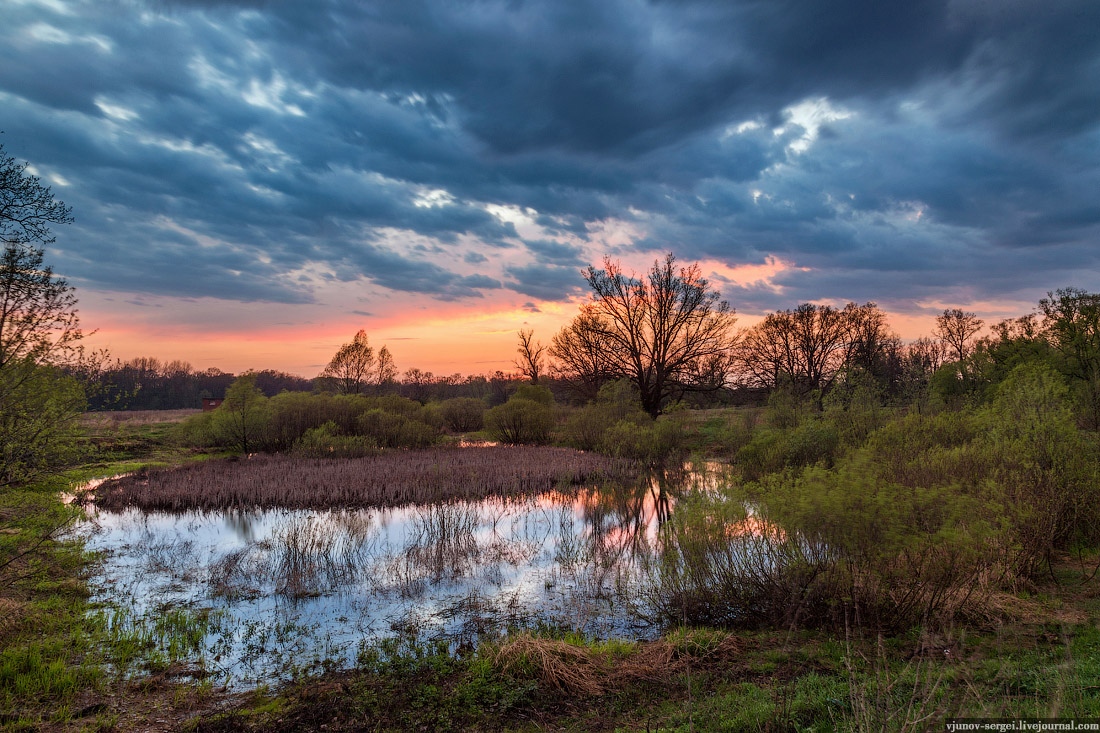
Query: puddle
[[292, 589]]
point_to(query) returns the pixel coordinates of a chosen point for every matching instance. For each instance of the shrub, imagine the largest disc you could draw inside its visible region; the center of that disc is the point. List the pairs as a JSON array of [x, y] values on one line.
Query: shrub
[[535, 393], [585, 427], [327, 442], [616, 402], [785, 409], [811, 442], [241, 421], [390, 430], [820, 546], [762, 455], [463, 414], [520, 421], [196, 430], [1044, 471], [628, 440]]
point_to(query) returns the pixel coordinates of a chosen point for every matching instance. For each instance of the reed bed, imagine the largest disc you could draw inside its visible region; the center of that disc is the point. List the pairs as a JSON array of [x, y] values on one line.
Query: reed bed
[[393, 478]]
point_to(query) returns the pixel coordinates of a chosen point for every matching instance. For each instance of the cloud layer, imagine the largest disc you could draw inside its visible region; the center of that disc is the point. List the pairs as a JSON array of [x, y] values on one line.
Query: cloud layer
[[261, 151]]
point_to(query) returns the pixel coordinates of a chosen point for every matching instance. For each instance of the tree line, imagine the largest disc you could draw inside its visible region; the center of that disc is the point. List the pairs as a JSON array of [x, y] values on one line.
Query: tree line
[[670, 335]]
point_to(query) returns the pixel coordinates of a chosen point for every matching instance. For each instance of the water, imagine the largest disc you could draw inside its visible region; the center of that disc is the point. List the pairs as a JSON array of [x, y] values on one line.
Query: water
[[297, 589]]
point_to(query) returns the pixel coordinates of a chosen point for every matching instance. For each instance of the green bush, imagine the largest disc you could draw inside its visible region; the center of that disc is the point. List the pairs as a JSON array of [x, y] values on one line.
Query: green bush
[[1044, 472], [763, 454], [327, 442], [241, 422], [820, 546], [585, 427], [390, 430], [463, 414], [785, 409], [617, 402], [535, 393], [813, 441], [520, 421]]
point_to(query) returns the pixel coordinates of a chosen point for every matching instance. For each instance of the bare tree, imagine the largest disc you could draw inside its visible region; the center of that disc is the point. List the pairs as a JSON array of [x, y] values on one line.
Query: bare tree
[[804, 348], [924, 356], [532, 356], [656, 331], [351, 367], [956, 328], [581, 362], [418, 384], [870, 340]]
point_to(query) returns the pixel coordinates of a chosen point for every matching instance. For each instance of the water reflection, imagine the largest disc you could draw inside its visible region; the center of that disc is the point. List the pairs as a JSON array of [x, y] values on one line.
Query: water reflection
[[296, 585]]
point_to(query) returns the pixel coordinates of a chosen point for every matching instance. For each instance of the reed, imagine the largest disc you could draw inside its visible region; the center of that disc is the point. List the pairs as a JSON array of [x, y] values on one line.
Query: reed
[[393, 478]]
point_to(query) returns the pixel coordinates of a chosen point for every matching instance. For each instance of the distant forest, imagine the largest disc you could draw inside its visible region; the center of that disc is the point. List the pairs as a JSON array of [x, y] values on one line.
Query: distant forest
[[147, 383]]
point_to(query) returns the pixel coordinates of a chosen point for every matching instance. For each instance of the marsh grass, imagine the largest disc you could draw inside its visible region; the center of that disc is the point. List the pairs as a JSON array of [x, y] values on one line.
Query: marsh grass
[[393, 478], [305, 557]]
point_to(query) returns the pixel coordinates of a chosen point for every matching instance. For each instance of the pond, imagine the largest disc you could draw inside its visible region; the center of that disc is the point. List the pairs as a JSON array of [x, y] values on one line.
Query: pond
[[291, 589]]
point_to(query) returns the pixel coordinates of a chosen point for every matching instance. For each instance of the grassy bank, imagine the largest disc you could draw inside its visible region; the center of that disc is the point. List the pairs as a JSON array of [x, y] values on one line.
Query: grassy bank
[[703, 679], [69, 664]]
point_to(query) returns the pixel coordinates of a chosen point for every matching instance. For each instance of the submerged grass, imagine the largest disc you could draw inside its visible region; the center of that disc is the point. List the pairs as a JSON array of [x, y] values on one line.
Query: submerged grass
[[391, 479]]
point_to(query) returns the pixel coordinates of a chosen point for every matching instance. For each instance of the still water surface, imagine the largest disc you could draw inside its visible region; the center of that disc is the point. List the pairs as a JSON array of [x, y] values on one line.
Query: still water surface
[[293, 588]]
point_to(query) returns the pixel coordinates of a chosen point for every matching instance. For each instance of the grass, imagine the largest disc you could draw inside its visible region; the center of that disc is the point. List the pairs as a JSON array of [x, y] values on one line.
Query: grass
[[66, 664], [696, 679], [393, 478]]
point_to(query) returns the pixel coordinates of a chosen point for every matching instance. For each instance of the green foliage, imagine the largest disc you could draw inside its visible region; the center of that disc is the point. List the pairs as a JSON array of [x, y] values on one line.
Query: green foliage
[[813, 441], [242, 419], [769, 449], [616, 424], [855, 411], [785, 409], [949, 385], [351, 424], [39, 406], [535, 393], [520, 421], [1045, 473], [909, 527], [391, 430], [651, 442], [463, 414], [327, 442]]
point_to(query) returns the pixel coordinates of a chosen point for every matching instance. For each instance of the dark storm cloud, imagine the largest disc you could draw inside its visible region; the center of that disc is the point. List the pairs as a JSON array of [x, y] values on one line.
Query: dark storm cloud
[[224, 148]]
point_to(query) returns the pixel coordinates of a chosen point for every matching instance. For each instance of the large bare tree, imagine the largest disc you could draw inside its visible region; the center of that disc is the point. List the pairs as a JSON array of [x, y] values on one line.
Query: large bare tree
[[667, 332]]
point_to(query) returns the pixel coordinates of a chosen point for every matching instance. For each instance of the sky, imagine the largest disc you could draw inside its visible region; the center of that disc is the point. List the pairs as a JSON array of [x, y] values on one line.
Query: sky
[[253, 182]]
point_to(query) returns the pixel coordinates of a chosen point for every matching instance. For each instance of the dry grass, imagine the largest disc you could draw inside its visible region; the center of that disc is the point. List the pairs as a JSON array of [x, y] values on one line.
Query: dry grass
[[394, 478], [574, 669], [12, 614], [558, 665], [116, 418]]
